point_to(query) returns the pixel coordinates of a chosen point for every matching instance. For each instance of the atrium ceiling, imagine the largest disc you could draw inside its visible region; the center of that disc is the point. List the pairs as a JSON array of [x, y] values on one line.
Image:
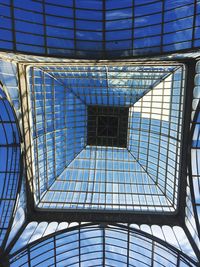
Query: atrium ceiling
[[99, 133], [143, 173]]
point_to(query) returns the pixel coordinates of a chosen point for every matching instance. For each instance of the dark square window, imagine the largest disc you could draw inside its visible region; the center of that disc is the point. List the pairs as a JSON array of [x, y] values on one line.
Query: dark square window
[[107, 126]]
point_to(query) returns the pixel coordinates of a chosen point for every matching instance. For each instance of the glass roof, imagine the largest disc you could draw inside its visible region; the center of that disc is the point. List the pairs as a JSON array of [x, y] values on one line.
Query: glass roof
[[8, 77], [10, 166], [131, 197], [194, 172], [112, 245], [161, 100], [142, 176], [98, 28]]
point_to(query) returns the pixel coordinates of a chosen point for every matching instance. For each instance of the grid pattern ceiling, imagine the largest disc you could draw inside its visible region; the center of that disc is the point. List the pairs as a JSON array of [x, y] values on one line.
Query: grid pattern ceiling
[[31, 233], [147, 174], [10, 162], [111, 246], [71, 174], [99, 28]]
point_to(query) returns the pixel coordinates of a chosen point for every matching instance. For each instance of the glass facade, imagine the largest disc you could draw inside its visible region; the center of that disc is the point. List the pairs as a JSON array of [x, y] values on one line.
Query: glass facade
[[99, 133]]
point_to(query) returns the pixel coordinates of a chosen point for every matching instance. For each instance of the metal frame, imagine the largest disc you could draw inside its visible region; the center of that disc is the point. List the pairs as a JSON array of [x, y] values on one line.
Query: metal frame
[[190, 168], [155, 49], [103, 227], [9, 208], [49, 70], [39, 215], [42, 214]]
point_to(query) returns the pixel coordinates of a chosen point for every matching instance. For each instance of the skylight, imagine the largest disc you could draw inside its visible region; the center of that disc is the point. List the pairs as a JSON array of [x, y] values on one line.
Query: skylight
[[107, 126], [107, 137], [100, 133]]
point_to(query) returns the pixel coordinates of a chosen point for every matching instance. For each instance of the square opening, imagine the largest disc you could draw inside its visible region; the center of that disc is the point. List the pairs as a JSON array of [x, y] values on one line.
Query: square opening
[[107, 126]]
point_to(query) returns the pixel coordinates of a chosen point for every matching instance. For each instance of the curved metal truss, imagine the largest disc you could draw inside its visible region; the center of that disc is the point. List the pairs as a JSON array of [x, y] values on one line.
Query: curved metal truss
[[100, 245], [10, 166], [194, 171]]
